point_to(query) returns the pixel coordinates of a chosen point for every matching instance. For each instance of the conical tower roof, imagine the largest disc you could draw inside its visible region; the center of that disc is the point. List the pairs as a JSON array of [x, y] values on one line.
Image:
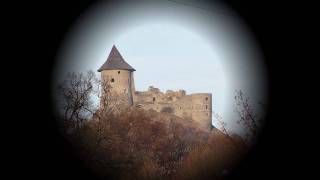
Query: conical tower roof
[[115, 61]]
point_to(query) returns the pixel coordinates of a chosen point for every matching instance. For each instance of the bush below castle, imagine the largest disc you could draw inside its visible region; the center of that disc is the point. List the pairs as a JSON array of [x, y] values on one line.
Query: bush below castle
[[142, 144]]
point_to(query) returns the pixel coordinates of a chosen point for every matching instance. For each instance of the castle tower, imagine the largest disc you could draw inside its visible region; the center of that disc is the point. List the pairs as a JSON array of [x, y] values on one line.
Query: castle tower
[[202, 109], [119, 74]]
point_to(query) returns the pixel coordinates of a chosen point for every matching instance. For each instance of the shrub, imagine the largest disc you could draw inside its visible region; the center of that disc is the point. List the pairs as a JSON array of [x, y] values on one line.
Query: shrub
[[149, 145]]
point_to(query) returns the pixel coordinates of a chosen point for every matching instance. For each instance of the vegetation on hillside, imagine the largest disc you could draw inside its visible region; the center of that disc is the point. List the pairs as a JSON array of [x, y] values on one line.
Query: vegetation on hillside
[[141, 144], [129, 143]]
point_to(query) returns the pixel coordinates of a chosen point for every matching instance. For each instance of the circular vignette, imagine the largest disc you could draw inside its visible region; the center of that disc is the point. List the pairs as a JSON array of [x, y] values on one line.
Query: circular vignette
[[208, 36]]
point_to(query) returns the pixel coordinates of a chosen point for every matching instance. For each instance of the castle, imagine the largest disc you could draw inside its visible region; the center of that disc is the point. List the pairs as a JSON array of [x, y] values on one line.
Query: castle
[[119, 73]]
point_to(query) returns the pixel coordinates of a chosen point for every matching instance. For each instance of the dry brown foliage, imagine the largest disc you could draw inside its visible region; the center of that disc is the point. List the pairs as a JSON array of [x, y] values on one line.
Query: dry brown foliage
[[149, 145]]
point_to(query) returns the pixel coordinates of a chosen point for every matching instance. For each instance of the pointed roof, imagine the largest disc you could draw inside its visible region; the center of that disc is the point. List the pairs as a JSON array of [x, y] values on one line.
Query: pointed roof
[[115, 61]]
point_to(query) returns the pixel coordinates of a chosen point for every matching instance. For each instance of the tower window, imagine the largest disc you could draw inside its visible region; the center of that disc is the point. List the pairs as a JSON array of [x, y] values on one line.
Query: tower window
[[118, 72], [154, 99], [206, 106], [206, 98], [112, 80]]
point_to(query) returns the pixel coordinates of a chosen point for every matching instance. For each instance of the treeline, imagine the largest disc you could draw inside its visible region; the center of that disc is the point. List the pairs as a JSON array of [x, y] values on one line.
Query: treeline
[[148, 145]]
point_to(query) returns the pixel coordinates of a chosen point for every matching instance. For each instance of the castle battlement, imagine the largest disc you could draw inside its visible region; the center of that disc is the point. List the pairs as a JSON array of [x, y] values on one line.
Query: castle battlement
[[156, 91], [196, 106]]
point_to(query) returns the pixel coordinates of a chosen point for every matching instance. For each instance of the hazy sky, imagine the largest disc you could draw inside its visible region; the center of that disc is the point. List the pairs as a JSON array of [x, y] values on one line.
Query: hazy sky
[[173, 47]]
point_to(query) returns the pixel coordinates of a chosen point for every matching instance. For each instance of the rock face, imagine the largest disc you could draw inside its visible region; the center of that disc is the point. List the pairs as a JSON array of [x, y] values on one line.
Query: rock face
[[197, 107]]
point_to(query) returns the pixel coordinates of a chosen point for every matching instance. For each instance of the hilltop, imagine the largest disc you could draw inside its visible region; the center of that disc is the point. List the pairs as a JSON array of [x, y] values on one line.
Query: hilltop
[[139, 144]]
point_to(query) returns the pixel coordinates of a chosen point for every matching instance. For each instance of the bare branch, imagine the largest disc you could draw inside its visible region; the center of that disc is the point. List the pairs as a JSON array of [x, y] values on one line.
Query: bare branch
[[247, 115], [74, 97]]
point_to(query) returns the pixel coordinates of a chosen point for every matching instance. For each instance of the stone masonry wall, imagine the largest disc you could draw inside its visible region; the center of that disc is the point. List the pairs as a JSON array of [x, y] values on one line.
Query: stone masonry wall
[[197, 107], [121, 82]]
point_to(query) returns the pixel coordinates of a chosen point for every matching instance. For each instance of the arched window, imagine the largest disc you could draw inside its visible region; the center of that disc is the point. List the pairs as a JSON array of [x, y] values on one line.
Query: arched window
[[154, 99], [118, 72], [206, 106], [206, 98], [112, 80]]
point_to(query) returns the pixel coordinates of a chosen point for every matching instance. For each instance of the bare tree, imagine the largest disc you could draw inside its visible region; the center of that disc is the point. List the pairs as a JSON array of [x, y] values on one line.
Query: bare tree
[[223, 126], [111, 104], [248, 116], [74, 97]]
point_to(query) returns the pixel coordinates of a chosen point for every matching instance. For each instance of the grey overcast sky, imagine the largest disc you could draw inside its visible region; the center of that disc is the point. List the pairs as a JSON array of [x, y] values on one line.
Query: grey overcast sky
[[172, 46]]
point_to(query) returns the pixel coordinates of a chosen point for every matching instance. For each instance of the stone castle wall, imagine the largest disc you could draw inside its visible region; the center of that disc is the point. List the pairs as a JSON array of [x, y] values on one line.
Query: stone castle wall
[[196, 107], [121, 82]]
